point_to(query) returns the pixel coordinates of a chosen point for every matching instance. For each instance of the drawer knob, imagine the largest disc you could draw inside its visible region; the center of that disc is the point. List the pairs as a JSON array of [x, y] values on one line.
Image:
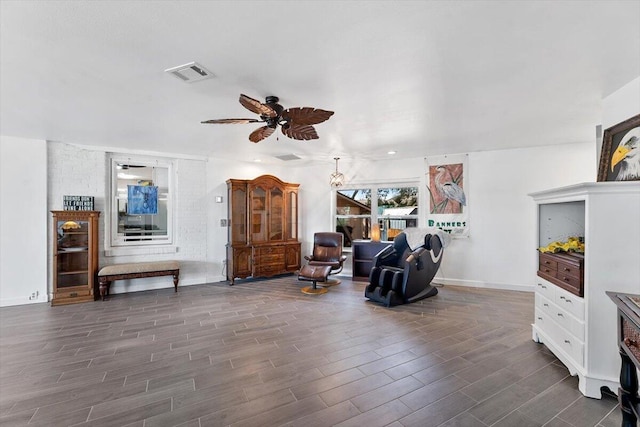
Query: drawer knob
[[567, 342], [560, 315], [630, 343], [539, 318], [545, 304], [562, 297], [542, 286]]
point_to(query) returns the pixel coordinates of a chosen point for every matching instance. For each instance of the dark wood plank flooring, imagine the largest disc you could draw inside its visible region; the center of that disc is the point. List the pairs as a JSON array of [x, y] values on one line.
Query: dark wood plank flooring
[[261, 353]]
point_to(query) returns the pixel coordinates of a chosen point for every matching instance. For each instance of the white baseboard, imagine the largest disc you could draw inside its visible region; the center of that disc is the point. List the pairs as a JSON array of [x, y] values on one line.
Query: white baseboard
[[7, 302], [481, 284]]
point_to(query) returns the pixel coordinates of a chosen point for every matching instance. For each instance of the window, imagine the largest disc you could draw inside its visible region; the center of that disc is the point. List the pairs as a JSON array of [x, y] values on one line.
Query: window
[[353, 214], [397, 210], [141, 208], [394, 208]]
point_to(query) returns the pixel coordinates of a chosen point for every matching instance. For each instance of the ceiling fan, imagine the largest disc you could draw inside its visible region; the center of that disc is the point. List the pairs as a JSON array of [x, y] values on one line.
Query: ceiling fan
[[296, 123]]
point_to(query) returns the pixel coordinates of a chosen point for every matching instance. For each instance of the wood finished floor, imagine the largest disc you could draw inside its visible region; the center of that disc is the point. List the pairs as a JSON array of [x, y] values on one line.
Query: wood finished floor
[[261, 353]]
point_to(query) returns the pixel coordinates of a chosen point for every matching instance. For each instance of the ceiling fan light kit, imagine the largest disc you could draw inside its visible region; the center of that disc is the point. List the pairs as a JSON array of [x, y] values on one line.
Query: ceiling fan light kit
[[295, 123]]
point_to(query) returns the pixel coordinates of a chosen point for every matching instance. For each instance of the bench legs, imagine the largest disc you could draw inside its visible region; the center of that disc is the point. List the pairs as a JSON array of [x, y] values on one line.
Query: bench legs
[[104, 287], [176, 277], [105, 281]]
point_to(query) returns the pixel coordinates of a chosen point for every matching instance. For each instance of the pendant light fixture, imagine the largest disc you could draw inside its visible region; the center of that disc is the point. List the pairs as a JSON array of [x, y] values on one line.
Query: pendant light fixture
[[336, 179]]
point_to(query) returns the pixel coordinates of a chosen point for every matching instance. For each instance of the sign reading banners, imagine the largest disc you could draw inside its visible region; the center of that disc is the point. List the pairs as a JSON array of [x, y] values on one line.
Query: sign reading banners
[[77, 203], [448, 185]]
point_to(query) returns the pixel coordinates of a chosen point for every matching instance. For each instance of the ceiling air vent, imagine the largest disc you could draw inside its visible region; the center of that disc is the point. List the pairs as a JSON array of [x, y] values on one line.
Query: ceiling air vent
[[190, 73], [287, 157]]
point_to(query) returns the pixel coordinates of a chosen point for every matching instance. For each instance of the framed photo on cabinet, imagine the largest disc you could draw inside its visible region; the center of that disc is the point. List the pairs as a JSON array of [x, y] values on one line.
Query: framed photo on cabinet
[[620, 157]]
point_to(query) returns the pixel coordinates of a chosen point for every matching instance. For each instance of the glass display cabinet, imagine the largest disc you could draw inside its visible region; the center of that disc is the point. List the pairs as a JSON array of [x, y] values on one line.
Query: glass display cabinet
[[263, 228], [75, 256]]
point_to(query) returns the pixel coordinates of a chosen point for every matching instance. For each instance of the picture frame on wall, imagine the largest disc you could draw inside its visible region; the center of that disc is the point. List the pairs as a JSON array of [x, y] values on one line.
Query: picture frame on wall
[[142, 200], [620, 156]]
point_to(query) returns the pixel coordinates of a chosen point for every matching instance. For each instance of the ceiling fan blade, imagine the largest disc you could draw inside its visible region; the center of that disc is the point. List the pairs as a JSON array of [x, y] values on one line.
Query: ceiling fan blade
[[305, 132], [228, 121], [306, 115], [261, 133], [257, 107]]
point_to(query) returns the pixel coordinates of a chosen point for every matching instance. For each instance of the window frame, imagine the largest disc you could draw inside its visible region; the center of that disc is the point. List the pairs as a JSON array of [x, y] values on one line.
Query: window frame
[[374, 216], [116, 244]]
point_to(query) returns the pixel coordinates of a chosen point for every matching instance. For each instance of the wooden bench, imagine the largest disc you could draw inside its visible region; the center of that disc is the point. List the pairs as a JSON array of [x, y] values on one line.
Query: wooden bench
[[137, 270]]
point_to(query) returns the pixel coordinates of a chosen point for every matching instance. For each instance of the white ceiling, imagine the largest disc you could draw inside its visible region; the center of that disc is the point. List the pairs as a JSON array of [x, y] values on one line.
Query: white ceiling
[[419, 77]]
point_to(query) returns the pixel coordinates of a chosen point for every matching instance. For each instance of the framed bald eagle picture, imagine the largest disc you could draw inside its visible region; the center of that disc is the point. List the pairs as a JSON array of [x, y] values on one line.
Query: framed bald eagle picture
[[620, 156]]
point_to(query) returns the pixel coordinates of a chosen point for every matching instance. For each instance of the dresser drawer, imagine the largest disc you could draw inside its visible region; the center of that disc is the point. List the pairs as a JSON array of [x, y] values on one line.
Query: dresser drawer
[[571, 283], [569, 302], [570, 323], [542, 320], [563, 269], [545, 288], [545, 305], [571, 345], [269, 256], [566, 269], [548, 262], [574, 348], [270, 259], [269, 251], [560, 315], [560, 337]]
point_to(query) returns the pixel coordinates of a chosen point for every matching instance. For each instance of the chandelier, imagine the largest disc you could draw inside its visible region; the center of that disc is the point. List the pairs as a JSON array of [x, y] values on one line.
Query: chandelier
[[336, 179]]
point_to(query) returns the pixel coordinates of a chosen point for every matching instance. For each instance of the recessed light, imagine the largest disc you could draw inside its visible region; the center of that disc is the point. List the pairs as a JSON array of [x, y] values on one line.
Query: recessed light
[[391, 152], [257, 160]]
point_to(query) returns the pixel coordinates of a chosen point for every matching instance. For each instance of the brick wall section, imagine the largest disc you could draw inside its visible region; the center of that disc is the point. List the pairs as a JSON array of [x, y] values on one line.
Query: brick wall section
[[190, 219], [75, 170]]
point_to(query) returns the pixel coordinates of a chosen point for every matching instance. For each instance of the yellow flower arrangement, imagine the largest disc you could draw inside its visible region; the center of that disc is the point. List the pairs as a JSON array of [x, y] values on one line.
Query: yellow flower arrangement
[[574, 244]]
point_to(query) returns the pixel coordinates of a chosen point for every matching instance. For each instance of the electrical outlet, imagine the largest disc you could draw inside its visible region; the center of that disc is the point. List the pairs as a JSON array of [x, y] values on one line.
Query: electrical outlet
[[223, 223], [34, 295]]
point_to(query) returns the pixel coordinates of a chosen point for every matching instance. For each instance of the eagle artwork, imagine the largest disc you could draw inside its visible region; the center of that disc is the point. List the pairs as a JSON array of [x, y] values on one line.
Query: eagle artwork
[[626, 158]]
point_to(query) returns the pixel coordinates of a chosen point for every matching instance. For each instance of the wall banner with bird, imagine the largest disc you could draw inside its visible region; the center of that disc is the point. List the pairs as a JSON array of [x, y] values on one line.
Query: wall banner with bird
[[447, 185]]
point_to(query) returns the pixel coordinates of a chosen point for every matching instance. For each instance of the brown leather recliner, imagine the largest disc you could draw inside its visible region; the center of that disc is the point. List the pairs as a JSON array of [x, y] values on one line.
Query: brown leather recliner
[[327, 250]]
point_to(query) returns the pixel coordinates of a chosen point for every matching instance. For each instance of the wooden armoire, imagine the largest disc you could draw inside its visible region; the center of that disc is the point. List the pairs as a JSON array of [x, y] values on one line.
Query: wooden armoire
[[263, 228]]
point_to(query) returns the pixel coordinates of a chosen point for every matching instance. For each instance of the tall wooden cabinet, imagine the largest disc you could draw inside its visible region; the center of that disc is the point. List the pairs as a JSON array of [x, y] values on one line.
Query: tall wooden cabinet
[[75, 256], [574, 317], [263, 228]]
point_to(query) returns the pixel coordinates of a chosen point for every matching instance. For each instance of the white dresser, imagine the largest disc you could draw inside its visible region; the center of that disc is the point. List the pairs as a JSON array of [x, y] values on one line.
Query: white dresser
[[582, 330]]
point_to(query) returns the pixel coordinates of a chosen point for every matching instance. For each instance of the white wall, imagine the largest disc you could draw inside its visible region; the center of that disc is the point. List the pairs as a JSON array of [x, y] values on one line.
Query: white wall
[[23, 221], [500, 252], [622, 104]]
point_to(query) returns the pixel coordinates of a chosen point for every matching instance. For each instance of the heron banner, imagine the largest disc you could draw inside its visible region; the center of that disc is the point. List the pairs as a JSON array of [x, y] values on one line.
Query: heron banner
[[448, 190]]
